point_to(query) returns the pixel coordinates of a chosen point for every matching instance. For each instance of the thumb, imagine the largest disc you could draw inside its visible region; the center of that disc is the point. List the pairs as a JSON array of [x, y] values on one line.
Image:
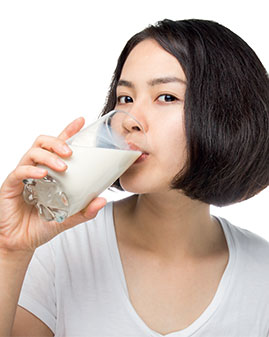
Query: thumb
[[94, 207], [88, 213]]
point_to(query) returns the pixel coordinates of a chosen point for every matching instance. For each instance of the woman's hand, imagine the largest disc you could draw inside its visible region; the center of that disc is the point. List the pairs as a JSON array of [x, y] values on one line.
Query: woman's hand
[[21, 229]]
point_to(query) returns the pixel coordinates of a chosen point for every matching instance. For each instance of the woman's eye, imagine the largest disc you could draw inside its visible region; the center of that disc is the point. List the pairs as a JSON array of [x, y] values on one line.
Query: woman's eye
[[124, 99], [167, 98]]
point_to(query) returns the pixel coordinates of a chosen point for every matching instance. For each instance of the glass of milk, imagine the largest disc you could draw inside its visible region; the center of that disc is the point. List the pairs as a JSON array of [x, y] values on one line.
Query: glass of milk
[[102, 152]]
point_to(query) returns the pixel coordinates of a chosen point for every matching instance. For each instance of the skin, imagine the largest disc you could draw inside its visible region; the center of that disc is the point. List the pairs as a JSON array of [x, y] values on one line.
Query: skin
[[173, 252], [166, 221], [22, 231]]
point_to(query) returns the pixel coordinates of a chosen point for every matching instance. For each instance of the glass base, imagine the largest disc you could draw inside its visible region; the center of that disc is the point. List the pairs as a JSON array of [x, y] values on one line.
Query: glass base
[[46, 195]]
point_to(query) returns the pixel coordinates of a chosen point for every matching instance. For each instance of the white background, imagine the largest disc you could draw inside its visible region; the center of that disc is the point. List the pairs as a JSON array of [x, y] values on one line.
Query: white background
[[57, 59]]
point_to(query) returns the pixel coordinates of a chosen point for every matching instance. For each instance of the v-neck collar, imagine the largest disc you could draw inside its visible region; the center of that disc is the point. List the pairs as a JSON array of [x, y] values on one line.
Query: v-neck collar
[[123, 289]]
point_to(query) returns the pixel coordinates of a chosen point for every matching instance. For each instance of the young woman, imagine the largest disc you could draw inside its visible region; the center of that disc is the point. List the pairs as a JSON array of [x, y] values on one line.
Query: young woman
[[156, 263]]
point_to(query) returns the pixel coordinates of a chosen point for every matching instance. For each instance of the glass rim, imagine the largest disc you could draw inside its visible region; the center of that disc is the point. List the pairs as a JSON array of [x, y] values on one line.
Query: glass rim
[[114, 111]]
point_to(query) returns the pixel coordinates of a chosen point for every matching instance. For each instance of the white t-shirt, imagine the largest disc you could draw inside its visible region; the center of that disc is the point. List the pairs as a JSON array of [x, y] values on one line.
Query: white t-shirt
[[75, 284]]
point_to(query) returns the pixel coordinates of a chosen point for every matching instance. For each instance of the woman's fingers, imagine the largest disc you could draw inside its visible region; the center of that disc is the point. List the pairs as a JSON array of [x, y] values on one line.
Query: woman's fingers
[[40, 156], [53, 144], [94, 207], [15, 178], [72, 129], [46, 151], [56, 145], [86, 214]]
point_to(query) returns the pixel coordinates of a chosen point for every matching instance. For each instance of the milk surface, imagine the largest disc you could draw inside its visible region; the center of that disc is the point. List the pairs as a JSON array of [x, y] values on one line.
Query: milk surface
[[90, 171]]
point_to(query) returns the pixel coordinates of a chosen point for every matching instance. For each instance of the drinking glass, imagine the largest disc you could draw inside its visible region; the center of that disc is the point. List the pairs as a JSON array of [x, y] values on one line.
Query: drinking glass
[[101, 153]]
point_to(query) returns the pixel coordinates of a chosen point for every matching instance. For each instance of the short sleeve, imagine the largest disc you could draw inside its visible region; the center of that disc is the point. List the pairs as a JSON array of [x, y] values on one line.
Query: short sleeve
[[38, 290]]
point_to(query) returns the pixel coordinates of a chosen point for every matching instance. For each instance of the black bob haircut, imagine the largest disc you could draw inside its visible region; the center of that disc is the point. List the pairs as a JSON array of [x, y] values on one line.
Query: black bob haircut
[[226, 109]]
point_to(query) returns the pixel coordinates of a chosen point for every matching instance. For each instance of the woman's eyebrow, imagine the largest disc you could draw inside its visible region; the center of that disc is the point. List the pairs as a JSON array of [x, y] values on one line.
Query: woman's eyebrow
[[163, 80], [124, 83], [155, 81]]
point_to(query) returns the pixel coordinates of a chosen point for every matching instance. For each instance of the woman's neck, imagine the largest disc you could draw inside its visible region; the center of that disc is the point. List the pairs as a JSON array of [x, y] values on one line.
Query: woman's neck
[[171, 225]]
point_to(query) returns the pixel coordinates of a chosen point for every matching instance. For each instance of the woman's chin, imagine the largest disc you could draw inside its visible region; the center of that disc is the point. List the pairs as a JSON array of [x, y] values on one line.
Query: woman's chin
[[138, 185], [132, 184]]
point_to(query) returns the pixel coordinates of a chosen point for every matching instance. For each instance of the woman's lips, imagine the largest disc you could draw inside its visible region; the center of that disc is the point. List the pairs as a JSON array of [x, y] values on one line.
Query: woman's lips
[[142, 157]]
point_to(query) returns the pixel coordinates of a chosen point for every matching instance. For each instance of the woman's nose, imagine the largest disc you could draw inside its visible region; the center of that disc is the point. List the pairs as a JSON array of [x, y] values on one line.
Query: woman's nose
[[131, 124], [134, 131], [136, 119]]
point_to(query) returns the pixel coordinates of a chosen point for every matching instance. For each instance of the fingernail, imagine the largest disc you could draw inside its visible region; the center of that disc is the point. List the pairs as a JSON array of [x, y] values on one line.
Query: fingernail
[[40, 170], [60, 163], [66, 149]]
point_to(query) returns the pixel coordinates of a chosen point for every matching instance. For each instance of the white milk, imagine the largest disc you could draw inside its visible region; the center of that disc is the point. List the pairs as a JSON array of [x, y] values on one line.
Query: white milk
[[90, 171]]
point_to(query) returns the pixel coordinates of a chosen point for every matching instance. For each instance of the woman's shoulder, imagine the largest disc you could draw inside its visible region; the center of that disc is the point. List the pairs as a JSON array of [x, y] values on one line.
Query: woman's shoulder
[[249, 247]]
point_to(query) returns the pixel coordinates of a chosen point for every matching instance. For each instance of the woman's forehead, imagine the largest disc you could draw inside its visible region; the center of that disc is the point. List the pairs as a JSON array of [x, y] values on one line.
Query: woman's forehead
[[150, 60]]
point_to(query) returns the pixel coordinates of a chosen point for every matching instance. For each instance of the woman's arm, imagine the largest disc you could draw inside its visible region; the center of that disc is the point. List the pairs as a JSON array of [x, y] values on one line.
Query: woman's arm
[[22, 230], [14, 320], [26, 324]]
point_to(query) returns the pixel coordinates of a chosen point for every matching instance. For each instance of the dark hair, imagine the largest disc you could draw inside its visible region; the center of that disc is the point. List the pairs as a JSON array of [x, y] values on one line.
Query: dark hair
[[226, 109]]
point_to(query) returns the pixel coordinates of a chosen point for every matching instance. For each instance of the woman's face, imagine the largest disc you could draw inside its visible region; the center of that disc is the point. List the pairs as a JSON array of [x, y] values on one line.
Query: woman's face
[[152, 88]]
